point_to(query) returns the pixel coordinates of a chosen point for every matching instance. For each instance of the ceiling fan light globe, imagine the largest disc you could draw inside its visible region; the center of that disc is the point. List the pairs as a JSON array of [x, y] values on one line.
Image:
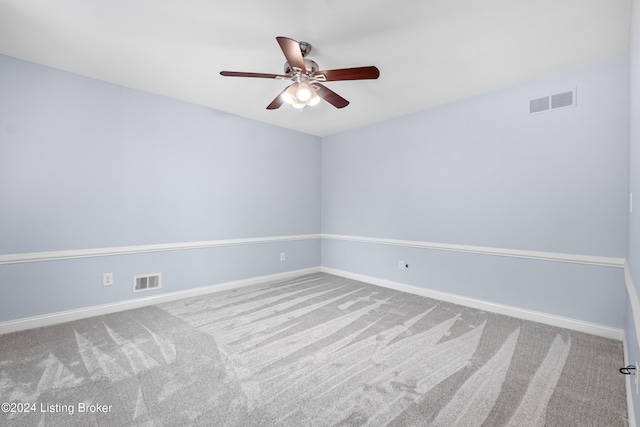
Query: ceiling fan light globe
[[299, 105], [314, 99], [288, 98], [303, 93], [289, 95]]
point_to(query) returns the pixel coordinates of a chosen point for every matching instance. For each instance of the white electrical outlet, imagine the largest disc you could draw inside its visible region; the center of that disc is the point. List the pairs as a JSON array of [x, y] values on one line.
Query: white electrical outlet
[[107, 279], [283, 256], [401, 265]]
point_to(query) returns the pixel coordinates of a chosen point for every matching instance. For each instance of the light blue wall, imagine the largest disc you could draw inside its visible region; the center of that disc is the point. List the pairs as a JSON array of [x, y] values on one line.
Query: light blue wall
[[484, 172], [86, 164], [582, 292], [634, 146], [633, 257], [37, 288]]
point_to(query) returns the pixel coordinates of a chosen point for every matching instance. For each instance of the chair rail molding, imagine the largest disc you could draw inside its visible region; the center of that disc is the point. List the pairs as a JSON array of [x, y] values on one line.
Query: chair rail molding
[[139, 249], [484, 250]]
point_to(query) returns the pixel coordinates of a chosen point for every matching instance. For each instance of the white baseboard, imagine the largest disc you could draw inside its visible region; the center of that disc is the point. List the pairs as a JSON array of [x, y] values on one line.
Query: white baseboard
[[534, 316], [633, 300], [627, 382], [97, 310], [635, 314]]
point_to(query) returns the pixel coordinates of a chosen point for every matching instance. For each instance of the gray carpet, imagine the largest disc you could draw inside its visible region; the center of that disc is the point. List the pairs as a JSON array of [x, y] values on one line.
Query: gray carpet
[[318, 350]]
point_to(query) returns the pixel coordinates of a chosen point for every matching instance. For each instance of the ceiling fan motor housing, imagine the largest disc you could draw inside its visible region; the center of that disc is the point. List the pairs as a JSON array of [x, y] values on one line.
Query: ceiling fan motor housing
[[310, 65]]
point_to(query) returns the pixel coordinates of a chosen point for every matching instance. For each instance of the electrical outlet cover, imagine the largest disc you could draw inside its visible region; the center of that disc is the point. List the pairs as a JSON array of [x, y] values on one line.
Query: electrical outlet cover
[[107, 279]]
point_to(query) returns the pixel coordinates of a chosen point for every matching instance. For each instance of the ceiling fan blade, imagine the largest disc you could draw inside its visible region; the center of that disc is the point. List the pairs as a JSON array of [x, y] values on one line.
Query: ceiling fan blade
[[291, 50], [358, 73], [277, 101], [330, 96], [260, 75]]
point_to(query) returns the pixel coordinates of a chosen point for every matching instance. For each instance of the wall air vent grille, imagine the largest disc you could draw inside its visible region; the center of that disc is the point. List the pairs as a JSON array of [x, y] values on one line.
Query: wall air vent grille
[[553, 102], [147, 282], [539, 104], [561, 100]]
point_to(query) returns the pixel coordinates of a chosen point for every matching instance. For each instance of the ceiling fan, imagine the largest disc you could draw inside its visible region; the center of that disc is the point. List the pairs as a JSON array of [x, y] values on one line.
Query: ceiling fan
[[307, 88]]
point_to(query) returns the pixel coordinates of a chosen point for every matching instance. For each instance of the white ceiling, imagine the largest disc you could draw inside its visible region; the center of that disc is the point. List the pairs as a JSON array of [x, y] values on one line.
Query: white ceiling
[[429, 52]]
